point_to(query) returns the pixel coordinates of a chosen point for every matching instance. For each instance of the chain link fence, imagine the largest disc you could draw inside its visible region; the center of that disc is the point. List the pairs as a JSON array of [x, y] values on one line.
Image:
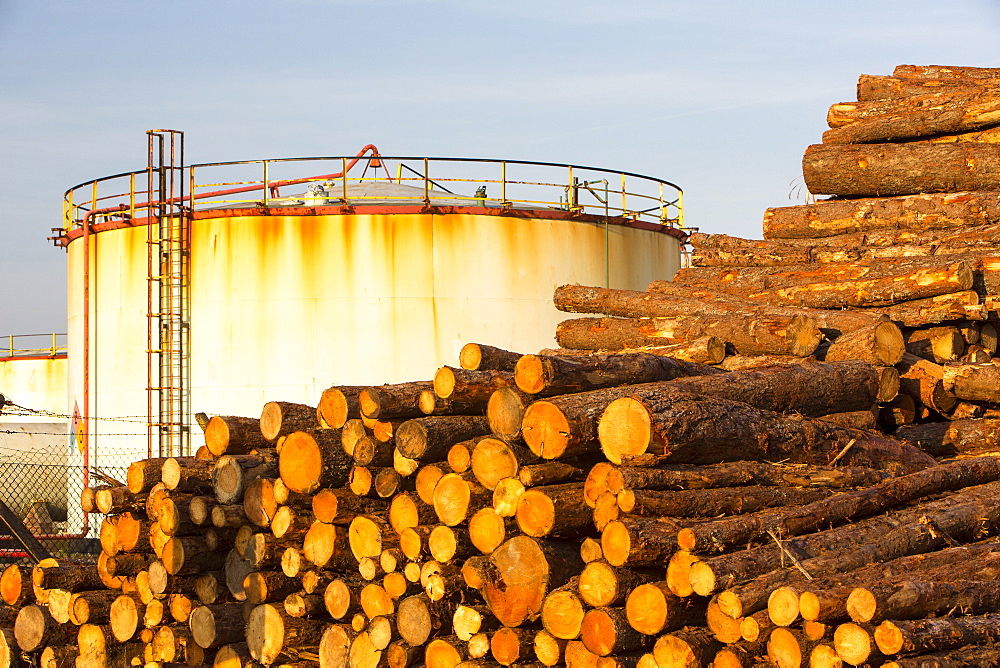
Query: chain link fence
[[42, 490]]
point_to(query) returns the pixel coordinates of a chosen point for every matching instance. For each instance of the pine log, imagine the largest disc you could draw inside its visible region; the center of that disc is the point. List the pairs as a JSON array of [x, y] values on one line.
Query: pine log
[[232, 474], [313, 459], [340, 506], [881, 344], [144, 474], [729, 474], [549, 650], [913, 213], [872, 87], [431, 404], [469, 386], [639, 541], [418, 618], [916, 116], [488, 529], [326, 545], [65, 574], [715, 502], [551, 375], [960, 305], [975, 382], [795, 335], [457, 496], [477, 356], [338, 404], [217, 625], [879, 170], [563, 610], [493, 460], [93, 607], [603, 585], [788, 648], [929, 635], [270, 630], [522, 572], [268, 587], [505, 410], [915, 599], [867, 420], [118, 499], [685, 648], [948, 438], [550, 473], [652, 609], [553, 510], [720, 294], [280, 418], [606, 631], [229, 434], [399, 400], [673, 424], [429, 438], [35, 628]]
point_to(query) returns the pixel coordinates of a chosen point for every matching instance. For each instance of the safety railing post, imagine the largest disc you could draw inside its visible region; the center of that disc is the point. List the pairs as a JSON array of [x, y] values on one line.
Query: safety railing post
[[427, 182], [266, 191], [624, 200], [343, 176], [131, 196], [503, 183], [53, 344]]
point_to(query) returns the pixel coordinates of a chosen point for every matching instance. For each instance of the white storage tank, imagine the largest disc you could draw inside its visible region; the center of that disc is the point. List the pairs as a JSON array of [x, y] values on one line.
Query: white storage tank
[[378, 270]]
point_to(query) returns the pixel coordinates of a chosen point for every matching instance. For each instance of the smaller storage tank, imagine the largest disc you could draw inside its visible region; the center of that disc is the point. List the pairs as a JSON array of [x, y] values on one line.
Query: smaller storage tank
[[377, 270]]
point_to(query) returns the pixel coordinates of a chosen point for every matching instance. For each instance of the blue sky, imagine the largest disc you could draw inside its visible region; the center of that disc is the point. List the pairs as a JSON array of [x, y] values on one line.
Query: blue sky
[[719, 97]]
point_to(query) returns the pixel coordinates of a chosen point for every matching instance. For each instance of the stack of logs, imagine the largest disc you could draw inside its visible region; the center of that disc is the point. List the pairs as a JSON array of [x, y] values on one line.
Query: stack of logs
[[731, 469]]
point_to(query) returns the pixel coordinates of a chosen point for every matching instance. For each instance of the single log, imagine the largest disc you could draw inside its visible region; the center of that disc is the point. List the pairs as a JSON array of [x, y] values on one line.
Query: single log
[[549, 650], [881, 344], [352, 432], [118, 499], [493, 460], [313, 459], [960, 305], [270, 630], [35, 628], [399, 400], [719, 292], [975, 382], [342, 598], [431, 404], [523, 570], [268, 587], [488, 529], [338, 404], [233, 435], [510, 646], [144, 474], [457, 496], [867, 420], [715, 502], [446, 543], [779, 335], [639, 541], [185, 555], [65, 574], [921, 598], [730, 474], [407, 510], [563, 610], [788, 648], [460, 456], [340, 506], [477, 356], [673, 424], [429, 438], [916, 116], [16, 586], [234, 473], [280, 418], [879, 170], [93, 607], [469, 386], [652, 609], [550, 375], [912, 213], [553, 510], [217, 625], [872, 87], [937, 344], [757, 626], [174, 517], [929, 635], [948, 438], [505, 410], [684, 648], [327, 545], [550, 473], [418, 618], [924, 382]]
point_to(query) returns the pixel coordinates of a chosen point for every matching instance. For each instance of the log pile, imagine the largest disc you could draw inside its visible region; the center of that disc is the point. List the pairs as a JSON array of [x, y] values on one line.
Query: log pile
[[728, 469]]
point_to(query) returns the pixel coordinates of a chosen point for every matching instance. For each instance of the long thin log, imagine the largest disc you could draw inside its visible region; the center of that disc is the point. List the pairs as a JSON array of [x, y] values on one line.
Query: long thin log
[[879, 170]]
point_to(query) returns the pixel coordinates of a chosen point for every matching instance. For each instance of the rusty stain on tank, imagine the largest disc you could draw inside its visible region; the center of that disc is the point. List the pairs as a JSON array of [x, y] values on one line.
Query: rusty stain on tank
[[283, 306]]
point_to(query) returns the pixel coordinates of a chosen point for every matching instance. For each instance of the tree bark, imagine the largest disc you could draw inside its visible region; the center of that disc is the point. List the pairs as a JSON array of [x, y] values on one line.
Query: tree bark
[[313, 459], [470, 386], [523, 570], [779, 335], [687, 428], [975, 382], [881, 344], [550, 375], [394, 401], [880, 170], [962, 305], [931, 635], [233, 473], [912, 213], [233, 435], [280, 418], [429, 438], [338, 404]]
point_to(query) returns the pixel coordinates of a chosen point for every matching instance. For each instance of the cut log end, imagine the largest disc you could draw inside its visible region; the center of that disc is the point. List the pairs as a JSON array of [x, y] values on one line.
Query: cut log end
[[545, 429], [625, 428]]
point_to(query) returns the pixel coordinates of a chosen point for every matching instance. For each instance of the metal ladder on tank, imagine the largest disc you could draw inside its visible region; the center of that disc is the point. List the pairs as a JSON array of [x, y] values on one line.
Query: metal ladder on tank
[[168, 314]]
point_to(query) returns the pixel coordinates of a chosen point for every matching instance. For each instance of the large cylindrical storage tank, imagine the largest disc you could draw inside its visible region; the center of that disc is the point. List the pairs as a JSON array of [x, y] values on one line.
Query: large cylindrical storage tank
[[290, 296]]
